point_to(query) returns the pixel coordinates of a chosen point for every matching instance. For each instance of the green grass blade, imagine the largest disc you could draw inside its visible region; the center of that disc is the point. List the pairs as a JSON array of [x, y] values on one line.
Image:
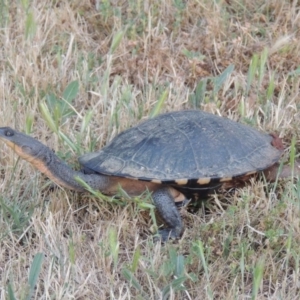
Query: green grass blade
[[113, 245], [116, 41], [136, 259], [10, 292], [293, 153], [219, 81], [251, 72], [68, 141], [86, 121], [71, 91], [48, 118], [158, 107], [257, 278], [34, 272], [133, 281], [262, 66], [271, 87], [28, 124], [30, 25]]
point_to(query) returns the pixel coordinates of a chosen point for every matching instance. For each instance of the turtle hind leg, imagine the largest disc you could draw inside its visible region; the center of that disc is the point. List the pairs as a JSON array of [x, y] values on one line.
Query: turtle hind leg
[[164, 202]]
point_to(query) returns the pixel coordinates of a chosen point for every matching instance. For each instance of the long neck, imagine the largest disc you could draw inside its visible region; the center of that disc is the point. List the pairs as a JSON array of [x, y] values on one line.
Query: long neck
[[60, 173]]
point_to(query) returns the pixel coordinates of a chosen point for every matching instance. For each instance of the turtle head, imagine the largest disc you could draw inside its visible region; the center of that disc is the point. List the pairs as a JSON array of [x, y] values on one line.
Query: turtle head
[[25, 146], [43, 158]]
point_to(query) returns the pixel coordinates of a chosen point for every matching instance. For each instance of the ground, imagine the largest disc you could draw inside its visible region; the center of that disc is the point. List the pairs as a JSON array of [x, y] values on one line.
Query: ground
[[76, 73]]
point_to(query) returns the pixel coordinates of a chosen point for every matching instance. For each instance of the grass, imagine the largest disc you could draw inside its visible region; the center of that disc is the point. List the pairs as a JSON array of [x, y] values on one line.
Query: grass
[[76, 73]]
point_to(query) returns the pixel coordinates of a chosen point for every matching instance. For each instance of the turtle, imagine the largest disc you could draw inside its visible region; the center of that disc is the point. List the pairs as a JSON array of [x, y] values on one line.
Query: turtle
[[174, 156]]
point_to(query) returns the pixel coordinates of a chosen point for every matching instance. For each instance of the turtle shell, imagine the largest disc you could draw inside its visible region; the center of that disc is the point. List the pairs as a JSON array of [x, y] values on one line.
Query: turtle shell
[[187, 148]]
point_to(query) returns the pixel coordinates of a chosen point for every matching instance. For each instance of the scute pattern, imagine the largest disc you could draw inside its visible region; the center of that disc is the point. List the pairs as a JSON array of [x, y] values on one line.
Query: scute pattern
[[184, 145]]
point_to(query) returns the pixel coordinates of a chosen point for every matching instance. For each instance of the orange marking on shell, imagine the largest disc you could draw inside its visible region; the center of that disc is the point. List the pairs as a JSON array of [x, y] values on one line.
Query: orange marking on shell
[[156, 181], [181, 181], [203, 181], [225, 179]]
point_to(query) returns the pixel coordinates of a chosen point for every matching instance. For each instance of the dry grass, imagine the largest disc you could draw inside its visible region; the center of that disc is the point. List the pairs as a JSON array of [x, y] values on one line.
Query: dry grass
[[132, 59]]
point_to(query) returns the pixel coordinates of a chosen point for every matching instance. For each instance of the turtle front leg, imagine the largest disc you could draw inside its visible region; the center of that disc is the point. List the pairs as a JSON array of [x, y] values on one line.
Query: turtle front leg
[[165, 203]]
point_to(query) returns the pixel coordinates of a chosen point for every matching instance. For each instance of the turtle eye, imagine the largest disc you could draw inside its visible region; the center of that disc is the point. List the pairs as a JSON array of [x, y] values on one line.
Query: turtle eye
[[9, 132]]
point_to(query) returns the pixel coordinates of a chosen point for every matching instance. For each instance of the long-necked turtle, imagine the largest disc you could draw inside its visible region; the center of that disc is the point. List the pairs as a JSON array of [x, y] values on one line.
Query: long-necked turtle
[[172, 155]]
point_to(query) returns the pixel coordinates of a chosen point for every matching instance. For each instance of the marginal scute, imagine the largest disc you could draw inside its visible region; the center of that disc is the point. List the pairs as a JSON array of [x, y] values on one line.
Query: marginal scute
[[181, 181], [156, 181], [224, 179], [203, 181]]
